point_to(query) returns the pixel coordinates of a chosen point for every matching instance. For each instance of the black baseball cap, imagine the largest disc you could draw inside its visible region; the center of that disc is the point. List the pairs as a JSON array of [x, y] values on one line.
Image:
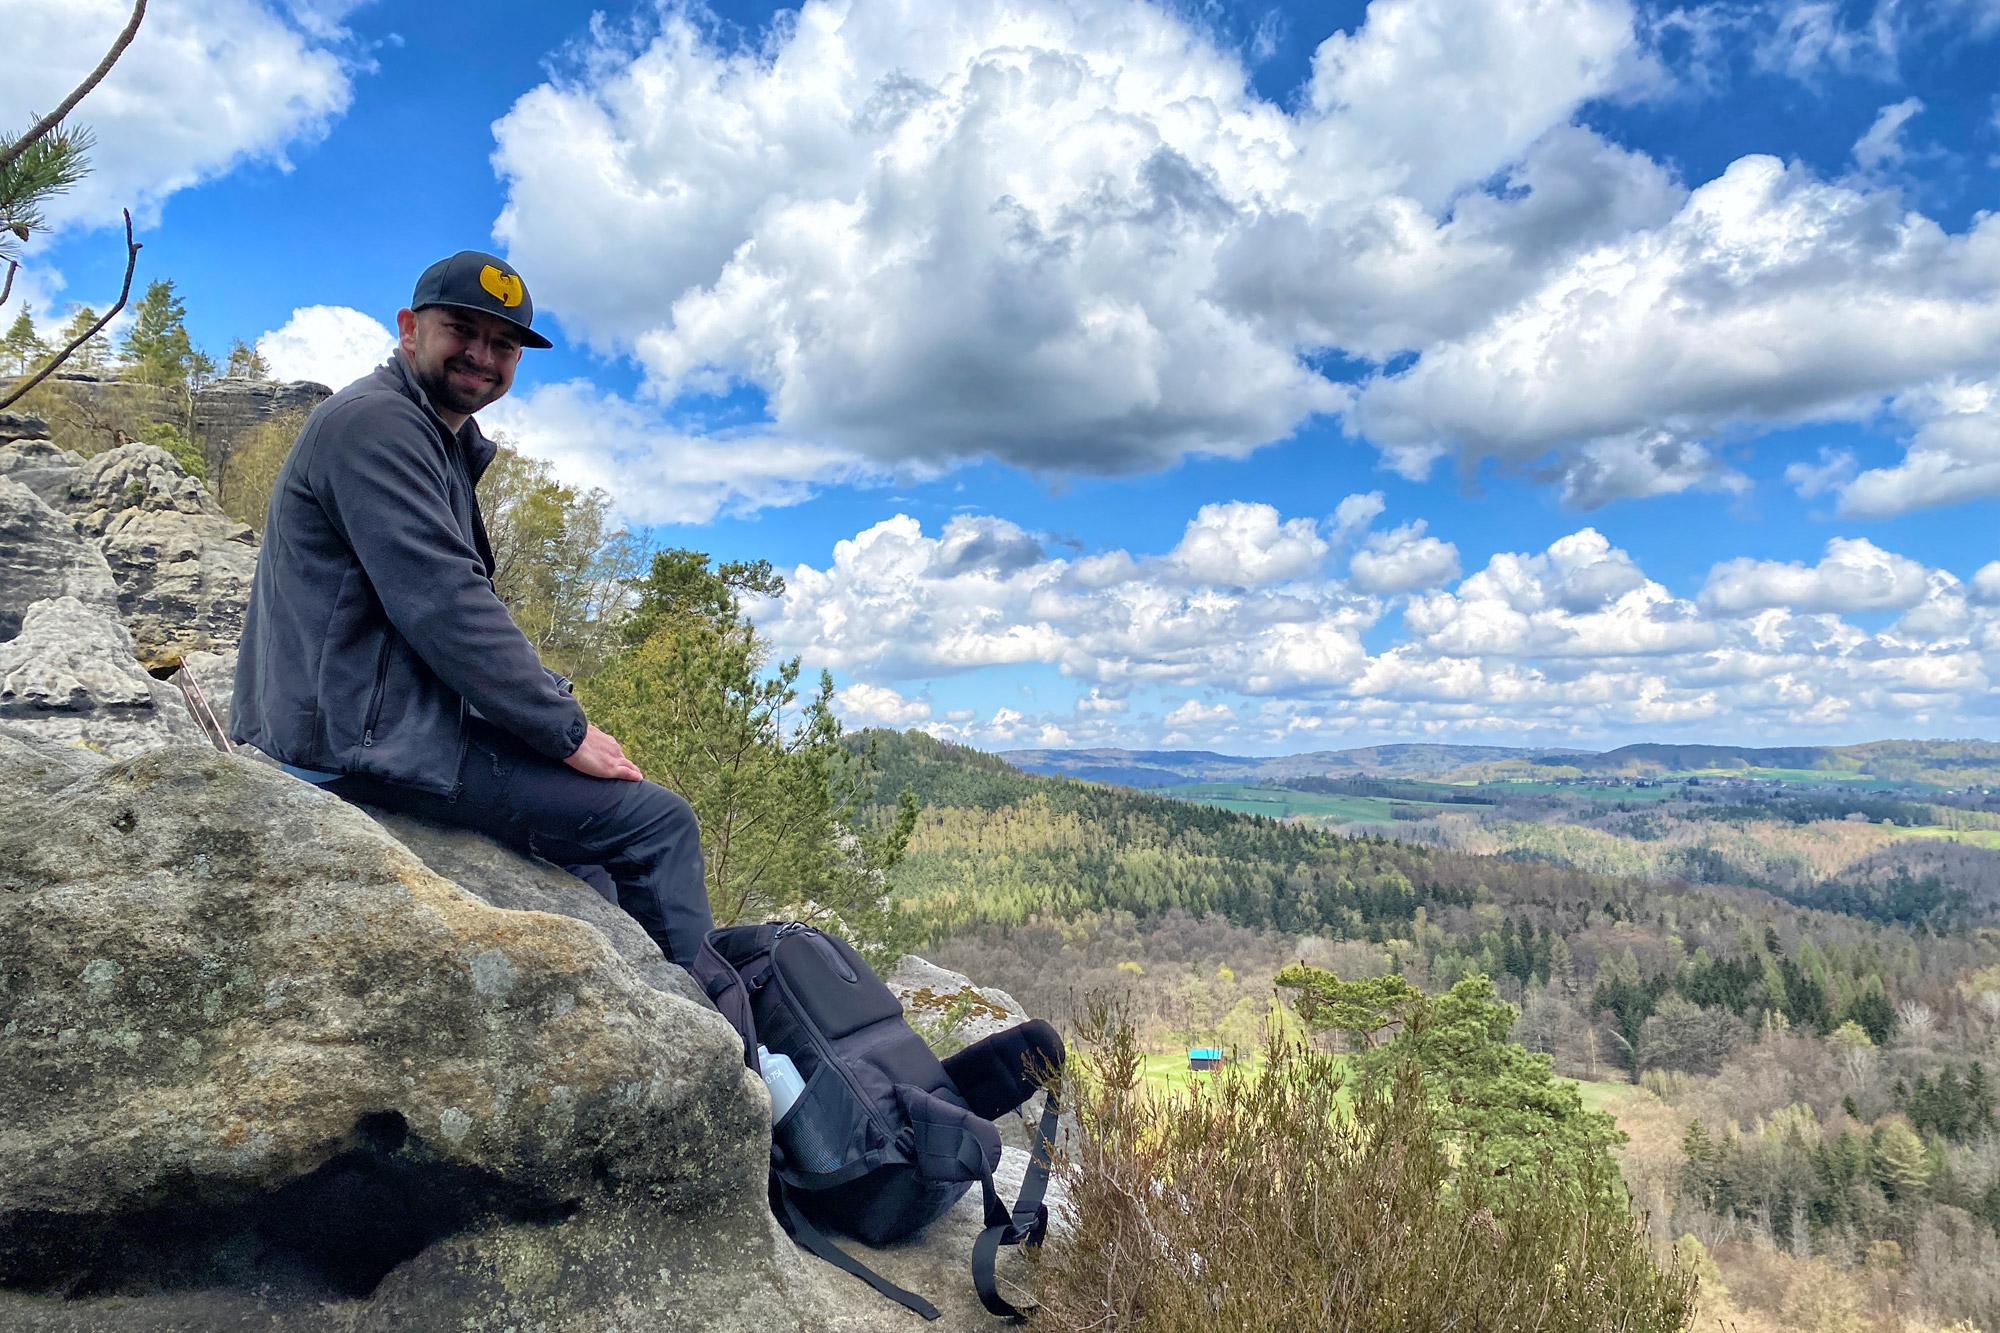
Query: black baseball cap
[[479, 281]]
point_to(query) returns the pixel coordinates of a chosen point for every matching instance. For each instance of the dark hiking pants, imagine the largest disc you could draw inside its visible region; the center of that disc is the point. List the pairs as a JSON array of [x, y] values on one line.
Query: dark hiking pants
[[642, 835]]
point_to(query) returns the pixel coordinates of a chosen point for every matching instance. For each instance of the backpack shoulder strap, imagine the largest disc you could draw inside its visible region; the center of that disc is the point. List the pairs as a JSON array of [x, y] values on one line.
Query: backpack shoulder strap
[[1025, 1224], [805, 1233]]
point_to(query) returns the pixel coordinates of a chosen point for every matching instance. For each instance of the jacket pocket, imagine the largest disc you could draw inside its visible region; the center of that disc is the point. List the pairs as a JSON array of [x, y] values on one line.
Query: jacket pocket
[[381, 689]]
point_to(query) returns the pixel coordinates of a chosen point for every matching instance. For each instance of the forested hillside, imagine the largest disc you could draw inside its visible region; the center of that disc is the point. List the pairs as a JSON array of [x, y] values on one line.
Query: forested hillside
[[1816, 1122]]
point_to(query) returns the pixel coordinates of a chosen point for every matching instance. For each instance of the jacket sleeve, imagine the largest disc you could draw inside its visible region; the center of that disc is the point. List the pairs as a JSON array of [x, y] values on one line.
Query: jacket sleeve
[[384, 480]]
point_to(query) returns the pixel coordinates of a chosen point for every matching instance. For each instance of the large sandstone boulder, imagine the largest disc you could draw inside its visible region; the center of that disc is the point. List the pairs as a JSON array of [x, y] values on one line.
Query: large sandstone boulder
[[182, 566], [37, 464], [264, 1068], [504, 878], [70, 676], [42, 557]]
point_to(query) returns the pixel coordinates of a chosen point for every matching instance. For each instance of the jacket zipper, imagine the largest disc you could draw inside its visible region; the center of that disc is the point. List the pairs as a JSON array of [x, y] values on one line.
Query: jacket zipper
[[821, 1046], [375, 703], [464, 739]]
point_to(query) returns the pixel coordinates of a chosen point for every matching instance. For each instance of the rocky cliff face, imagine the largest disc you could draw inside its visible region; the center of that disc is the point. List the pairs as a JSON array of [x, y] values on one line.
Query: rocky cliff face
[[226, 410], [272, 1061], [129, 523]]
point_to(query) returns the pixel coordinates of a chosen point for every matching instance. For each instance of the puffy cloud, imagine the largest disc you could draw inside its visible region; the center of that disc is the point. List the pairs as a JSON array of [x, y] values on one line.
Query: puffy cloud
[[1953, 455], [1195, 718], [897, 604], [1074, 238], [1582, 598], [332, 344], [1571, 642], [1033, 231], [205, 85], [864, 705], [1246, 545], [1770, 297], [654, 471], [1353, 514], [1854, 575], [1403, 560]]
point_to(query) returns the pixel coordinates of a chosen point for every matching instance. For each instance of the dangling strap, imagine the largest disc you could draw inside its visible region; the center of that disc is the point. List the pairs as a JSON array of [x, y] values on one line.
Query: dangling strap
[[810, 1236], [1025, 1225]]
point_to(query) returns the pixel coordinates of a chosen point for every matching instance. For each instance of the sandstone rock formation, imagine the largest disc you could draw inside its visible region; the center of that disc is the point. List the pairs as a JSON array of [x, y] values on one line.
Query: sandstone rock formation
[[226, 410], [257, 1050], [70, 676], [42, 557], [946, 1004], [40, 466], [265, 1067], [183, 567], [22, 426]]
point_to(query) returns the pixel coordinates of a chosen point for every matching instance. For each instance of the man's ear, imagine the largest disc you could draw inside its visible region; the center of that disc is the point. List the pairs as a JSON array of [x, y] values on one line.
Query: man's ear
[[406, 330]]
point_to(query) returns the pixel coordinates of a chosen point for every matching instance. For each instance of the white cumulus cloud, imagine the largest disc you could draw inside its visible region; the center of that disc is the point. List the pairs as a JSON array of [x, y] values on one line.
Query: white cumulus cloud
[[932, 232], [1854, 575], [864, 705], [1770, 297], [1403, 560], [332, 344], [1571, 643], [1247, 545], [205, 85], [1953, 454], [1073, 237]]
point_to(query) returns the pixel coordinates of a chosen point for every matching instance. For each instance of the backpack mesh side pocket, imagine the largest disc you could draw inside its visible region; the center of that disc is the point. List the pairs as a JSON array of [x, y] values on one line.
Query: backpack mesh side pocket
[[826, 1130]]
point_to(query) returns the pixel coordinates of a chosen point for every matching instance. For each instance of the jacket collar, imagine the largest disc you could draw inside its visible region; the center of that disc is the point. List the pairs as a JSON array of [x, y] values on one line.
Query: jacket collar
[[479, 450]]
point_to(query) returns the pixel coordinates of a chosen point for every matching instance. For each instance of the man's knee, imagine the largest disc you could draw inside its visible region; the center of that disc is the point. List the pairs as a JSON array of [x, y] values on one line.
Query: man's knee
[[662, 813]]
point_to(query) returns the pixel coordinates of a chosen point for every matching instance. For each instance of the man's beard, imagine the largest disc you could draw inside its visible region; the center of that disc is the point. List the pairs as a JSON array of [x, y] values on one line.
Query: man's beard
[[437, 385]]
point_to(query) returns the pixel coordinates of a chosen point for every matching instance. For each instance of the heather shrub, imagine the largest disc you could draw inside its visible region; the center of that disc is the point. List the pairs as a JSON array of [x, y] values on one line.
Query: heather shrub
[[1284, 1199]]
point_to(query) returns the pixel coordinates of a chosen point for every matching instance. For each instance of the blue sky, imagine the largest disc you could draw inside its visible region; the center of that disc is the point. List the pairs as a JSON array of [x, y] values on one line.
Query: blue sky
[[1042, 344]]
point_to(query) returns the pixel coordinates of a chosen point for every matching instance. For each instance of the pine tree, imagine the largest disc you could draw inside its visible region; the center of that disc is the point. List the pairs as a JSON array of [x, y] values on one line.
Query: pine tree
[[48, 167], [701, 709], [157, 346], [23, 347], [95, 352], [246, 362], [1900, 1164], [1978, 1101]]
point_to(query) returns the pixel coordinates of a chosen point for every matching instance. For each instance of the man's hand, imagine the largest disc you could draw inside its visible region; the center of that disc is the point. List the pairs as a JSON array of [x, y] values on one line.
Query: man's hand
[[602, 757]]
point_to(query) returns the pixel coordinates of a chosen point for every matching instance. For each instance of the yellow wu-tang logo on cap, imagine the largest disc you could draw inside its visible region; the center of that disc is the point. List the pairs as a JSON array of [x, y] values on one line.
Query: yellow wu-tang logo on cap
[[506, 287]]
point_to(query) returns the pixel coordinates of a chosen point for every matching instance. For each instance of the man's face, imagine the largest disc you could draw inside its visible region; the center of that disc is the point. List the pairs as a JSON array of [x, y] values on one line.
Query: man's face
[[464, 359]]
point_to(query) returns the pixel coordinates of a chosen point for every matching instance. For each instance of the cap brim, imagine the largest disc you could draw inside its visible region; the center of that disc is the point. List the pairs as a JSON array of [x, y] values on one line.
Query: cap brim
[[529, 338]]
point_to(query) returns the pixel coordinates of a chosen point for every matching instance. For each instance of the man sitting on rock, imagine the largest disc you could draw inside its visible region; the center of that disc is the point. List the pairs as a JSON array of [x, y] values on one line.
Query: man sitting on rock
[[377, 660]]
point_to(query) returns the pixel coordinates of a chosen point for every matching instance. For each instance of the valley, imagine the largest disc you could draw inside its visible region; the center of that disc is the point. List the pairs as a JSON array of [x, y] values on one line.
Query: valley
[[1785, 988]]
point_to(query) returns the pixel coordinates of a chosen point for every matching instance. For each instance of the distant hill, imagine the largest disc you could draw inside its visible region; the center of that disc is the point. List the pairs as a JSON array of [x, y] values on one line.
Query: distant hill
[[1173, 768], [1937, 762], [1940, 763]]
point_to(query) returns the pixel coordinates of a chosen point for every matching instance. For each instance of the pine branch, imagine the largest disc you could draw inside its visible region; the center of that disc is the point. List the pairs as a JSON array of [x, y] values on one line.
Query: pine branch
[[132, 249], [54, 118]]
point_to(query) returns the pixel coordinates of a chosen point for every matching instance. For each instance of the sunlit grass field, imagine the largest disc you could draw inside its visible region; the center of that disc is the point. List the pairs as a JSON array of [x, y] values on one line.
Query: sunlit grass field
[[1280, 803]]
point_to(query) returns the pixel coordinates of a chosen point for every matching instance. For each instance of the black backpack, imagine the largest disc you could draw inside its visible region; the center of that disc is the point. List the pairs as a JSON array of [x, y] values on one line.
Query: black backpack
[[885, 1138]]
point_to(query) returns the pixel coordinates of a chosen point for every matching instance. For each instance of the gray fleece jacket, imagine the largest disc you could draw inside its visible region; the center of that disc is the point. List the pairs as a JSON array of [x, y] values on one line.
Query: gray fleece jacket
[[373, 628]]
